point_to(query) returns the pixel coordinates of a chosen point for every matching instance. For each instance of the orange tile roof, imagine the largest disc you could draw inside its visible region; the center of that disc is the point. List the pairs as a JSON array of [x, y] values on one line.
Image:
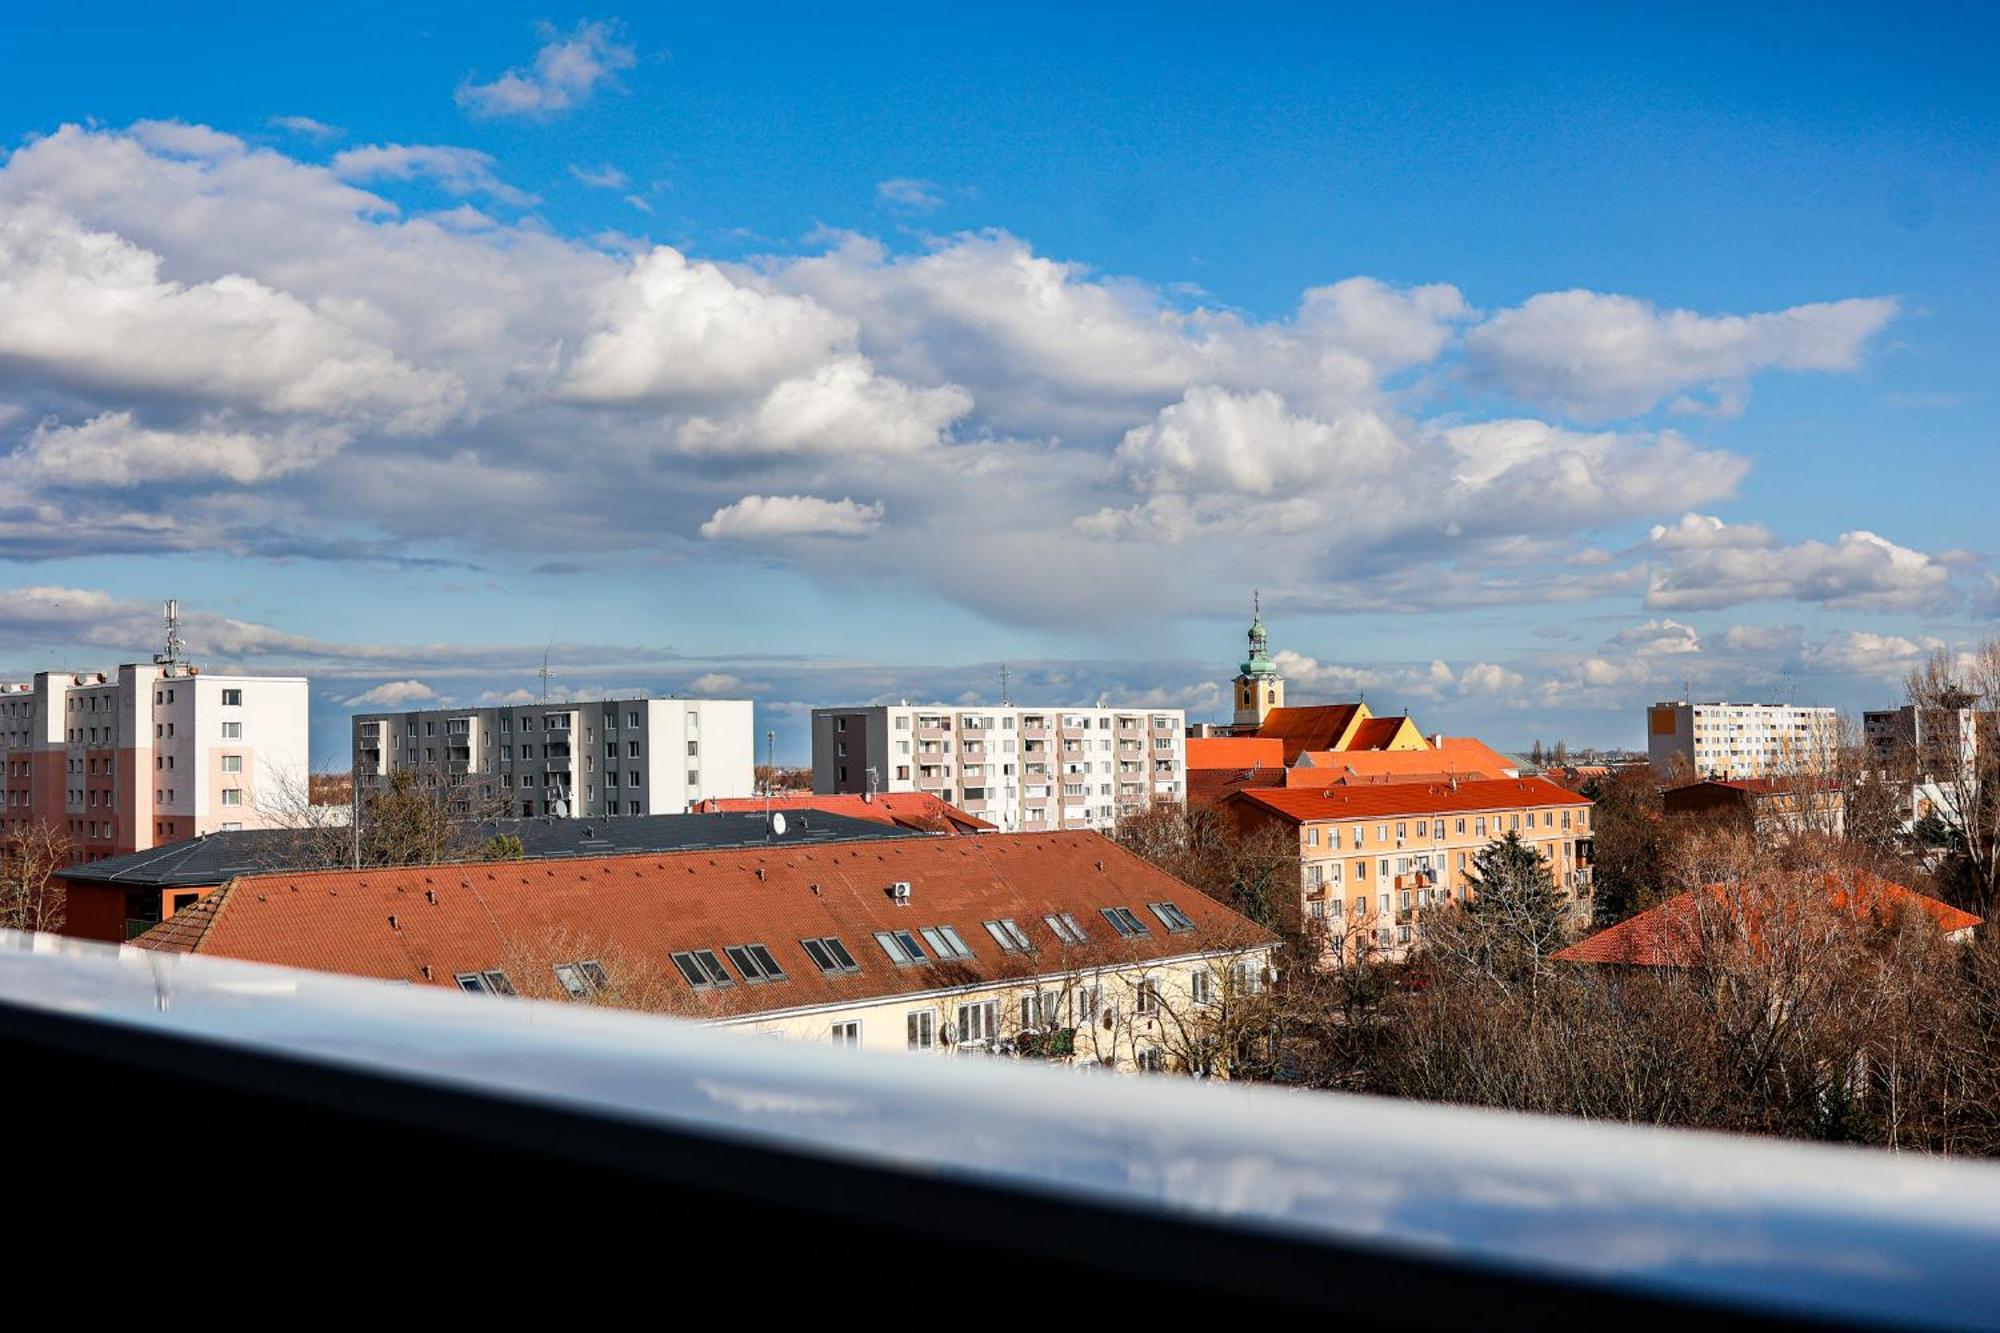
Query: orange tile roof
[[1460, 756], [1235, 752], [428, 923], [1376, 733], [1306, 804], [1314, 728], [1670, 935], [918, 811], [1212, 786]]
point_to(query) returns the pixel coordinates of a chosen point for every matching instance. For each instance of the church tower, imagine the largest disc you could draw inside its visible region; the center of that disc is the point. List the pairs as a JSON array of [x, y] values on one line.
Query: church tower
[[1259, 687]]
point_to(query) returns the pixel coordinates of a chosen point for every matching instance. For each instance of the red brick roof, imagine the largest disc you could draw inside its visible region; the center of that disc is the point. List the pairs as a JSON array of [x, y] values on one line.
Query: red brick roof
[[918, 811], [1315, 728], [1305, 804], [426, 924], [1212, 786], [1670, 935], [1235, 752]]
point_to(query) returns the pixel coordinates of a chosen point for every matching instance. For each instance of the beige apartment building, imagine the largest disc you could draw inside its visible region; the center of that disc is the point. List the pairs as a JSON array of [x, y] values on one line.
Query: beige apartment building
[[1726, 740], [150, 753], [1020, 769], [580, 760], [1062, 946], [1373, 858]]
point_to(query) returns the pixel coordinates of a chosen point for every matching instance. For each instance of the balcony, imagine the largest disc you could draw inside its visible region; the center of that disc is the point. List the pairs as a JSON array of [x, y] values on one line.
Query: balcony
[[1166, 1201]]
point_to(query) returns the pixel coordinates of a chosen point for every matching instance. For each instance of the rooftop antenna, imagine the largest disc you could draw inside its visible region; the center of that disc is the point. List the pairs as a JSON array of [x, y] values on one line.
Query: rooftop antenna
[[176, 651], [544, 672], [1005, 676]]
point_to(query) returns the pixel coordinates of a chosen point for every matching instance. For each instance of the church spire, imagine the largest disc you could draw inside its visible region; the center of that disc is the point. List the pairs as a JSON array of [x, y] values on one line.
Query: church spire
[[1259, 687]]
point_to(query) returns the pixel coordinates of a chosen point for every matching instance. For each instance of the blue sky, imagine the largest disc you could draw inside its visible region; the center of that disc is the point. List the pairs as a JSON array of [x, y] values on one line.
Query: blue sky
[[834, 355]]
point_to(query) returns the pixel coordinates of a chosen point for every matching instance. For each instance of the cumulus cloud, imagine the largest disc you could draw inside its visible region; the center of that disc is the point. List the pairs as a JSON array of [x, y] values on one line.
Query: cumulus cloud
[[1252, 444], [1864, 653], [716, 683], [394, 694], [457, 171], [113, 449], [1596, 356], [772, 516], [1705, 563], [1656, 637], [568, 69]]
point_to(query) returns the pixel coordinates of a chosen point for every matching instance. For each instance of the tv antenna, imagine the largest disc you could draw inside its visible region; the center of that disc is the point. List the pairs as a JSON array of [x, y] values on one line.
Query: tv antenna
[[176, 651], [1005, 676], [544, 672]]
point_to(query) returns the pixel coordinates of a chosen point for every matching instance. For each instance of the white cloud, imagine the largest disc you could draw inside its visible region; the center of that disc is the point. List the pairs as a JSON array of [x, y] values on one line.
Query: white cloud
[[756, 517], [1597, 356], [1863, 653], [1705, 563], [112, 449], [1489, 678], [716, 683], [914, 196], [568, 69], [1250, 443], [606, 177], [456, 171], [394, 694], [312, 129], [1657, 637]]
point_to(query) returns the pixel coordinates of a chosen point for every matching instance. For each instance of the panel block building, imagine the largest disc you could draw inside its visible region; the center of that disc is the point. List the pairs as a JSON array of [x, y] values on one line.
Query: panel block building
[[580, 760], [1726, 740]]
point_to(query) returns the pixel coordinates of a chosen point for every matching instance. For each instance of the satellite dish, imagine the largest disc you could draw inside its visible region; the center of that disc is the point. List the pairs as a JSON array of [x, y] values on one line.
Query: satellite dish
[[778, 823]]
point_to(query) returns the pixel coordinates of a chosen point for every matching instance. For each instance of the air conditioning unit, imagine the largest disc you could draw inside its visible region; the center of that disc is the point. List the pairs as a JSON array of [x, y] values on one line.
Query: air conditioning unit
[[899, 892]]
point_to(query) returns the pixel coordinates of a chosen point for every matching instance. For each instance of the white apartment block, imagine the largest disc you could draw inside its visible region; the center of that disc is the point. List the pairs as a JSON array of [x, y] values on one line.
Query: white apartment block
[[583, 760], [151, 753], [1020, 769], [1726, 740]]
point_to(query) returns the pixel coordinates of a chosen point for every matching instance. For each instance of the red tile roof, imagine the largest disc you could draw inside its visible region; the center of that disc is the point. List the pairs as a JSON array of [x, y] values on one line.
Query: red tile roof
[[918, 811], [1670, 935], [1212, 786], [1235, 752], [1458, 755], [1305, 804], [1315, 728], [428, 923], [1376, 733]]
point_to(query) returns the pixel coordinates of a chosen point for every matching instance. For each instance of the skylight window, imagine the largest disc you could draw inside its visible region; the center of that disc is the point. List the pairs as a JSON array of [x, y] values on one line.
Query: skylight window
[[901, 946], [1172, 917], [1126, 924], [485, 983], [1065, 927], [1010, 936], [701, 969], [945, 942], [830, 955], [582, 980], [755, 962]]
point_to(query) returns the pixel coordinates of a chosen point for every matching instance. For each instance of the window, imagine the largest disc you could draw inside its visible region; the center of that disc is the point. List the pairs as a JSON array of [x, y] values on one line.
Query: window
[[232, 731], [1009, 936], [978, 1023], [1201, 986], [701, 969], [1089, 1003], [1149, 997], [1042, 1009], [232, 796], [847, 1034], [1172, 917], [755, 962], [901, 946], [830, 955], [485, 983], [234, 697], [232, 763], [1151, 1060], [923, 1025], [1248, 978], [1126, 924], [582, 980], [1065, 927], [945, 942]]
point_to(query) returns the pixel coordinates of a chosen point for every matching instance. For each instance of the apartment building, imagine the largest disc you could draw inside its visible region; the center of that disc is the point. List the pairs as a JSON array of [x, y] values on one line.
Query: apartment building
[[1927, 744], [1020, 769], [580, 760], [151, 753], [1064, 946], [1374, 857], [1726, 740]]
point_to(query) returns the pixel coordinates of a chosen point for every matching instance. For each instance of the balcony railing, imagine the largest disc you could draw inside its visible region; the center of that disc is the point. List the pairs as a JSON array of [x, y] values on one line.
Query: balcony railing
[[274, 1094]]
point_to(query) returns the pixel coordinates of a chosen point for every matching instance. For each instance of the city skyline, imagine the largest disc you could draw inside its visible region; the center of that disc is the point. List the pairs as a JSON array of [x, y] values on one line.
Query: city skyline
[[1527, 377]]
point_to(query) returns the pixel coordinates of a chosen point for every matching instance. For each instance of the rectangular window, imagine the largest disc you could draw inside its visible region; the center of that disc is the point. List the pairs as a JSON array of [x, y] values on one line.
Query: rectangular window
[[232, 696], [232, 731], [923, 1025], [232, 763], [945, 942], [755, 962], [485, 983], [830, 955], [701, 969], [1172, 917], [1201, 986], [582, 980], [1149, 997], [978, 1023], [1126, 924], [1065, 927], [1009, 936], [847, 1034], [901, 946], [232, 796]]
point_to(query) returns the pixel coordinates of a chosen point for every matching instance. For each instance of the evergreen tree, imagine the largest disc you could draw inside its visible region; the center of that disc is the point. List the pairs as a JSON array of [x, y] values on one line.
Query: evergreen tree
[[1517, 917]]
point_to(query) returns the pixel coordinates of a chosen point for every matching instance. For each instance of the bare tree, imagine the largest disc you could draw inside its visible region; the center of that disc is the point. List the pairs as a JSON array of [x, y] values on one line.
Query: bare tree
[[31, 896], [1954, 755], [414, 818]]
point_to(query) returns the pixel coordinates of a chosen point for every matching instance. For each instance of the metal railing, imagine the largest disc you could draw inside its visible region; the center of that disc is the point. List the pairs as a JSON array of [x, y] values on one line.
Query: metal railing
[[1149, 1195]]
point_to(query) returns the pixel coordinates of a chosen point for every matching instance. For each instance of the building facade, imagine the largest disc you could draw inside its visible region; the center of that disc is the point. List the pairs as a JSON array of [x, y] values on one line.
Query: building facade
[[1373, 858], [1020, 769], [1726, 740], [580, 760], [151, 753]]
